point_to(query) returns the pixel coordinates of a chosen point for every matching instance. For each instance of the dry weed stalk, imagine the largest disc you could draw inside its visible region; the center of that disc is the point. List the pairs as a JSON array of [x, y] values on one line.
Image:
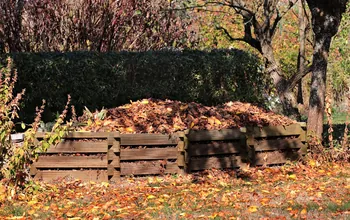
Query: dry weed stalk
[[346, 129], [328, 110]]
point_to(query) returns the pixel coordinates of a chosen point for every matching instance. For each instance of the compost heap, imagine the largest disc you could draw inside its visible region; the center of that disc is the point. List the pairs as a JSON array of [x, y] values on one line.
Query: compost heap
[[159, 116]]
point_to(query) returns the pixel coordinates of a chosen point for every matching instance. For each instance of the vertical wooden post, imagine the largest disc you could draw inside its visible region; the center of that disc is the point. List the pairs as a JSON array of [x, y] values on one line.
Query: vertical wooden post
[[302, 137], [250, 134], [186, 154], [113, 156], [181, 153]]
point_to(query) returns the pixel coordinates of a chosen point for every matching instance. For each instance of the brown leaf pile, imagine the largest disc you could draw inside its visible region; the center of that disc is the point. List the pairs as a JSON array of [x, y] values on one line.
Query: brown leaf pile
[[159, 116]]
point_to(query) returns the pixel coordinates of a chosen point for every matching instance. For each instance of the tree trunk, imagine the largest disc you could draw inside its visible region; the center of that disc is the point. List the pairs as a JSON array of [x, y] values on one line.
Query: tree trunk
[[302, 39], [318, 85], [326, 17], [287, 97]]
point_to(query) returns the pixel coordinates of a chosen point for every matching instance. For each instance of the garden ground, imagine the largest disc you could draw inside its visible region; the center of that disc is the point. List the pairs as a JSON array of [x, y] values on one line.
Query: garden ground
[[293, 191]]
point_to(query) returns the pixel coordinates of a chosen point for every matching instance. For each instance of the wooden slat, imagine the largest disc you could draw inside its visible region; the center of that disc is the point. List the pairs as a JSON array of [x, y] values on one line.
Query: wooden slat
[[148, 168], [214, 148], [273, 131], [215, 135], [148, 139], [81, 134], [263, 158], [204, 163], [79, 147], [279, 144], [84, 175], [71, 162], [148, 154]]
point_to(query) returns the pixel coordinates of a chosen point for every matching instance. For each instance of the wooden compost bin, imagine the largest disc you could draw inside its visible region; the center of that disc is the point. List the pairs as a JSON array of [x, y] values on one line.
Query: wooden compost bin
[[105, 156]]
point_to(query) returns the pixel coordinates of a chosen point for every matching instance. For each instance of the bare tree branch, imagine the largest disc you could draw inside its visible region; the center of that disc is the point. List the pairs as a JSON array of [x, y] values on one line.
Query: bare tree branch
[[247, 39], [292, 81]]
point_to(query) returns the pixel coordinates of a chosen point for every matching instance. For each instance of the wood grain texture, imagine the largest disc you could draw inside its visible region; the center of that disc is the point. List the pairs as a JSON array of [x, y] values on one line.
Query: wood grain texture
[[71, 162], [148, 139], [214, 148], [84, 175], [79, 147], [148, 154], [276, 131], [145, 168], [278, 144], [215, 135]]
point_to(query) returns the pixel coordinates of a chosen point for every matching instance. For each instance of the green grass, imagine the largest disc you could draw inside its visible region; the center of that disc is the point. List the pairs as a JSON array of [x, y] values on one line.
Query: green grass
[[333, 207], [337, 118]]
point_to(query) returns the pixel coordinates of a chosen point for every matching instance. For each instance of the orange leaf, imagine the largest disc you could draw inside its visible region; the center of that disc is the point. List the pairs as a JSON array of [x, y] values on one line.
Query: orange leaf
[[129, 129]]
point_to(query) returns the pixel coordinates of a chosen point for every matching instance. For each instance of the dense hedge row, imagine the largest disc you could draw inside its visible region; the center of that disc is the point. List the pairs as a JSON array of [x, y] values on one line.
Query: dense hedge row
[[97, 80]]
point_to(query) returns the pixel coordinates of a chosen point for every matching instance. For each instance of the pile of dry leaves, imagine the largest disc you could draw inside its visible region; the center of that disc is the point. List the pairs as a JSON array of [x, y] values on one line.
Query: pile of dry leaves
[[159, 116]]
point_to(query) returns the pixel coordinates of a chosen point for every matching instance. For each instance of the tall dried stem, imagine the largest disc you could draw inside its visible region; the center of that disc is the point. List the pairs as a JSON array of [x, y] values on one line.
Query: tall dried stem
[[328, 110]]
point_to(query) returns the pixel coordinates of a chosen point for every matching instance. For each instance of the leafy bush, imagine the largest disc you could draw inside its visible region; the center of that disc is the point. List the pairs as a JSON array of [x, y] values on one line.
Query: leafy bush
[[15, 158], [97, 80]]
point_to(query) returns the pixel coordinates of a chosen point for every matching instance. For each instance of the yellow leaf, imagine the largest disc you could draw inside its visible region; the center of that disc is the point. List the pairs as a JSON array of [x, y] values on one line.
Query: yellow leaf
[[253, 209], [192, 125], [33, 202], [292, 176], [303, 212], [144, 101], [151, 197], [217, 121], [105, 184], [312, 163]]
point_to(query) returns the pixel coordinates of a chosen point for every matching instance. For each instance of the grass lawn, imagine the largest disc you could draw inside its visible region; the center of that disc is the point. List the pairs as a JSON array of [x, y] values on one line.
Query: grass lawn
[[294, 191], [338, 118]]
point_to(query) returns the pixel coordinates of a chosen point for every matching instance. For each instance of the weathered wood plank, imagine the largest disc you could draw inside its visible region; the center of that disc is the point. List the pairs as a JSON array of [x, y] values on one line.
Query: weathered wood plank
[[79, 135], [274, 131], [214, 148], [262, 158], [145, 168], [148, 139], [148, 154], [71, 162], [84, 175], [279, 144], [79, 147], [215, 135]]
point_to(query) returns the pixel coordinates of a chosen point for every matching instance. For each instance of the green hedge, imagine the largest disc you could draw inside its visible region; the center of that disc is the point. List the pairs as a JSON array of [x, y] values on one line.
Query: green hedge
[[97, 80]]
